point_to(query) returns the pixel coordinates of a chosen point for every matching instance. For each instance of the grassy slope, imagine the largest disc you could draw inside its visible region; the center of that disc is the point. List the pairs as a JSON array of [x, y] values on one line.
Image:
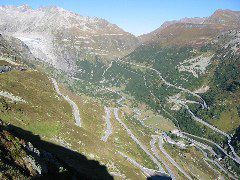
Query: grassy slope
[[118, 141], [42, 103], [50, 116]]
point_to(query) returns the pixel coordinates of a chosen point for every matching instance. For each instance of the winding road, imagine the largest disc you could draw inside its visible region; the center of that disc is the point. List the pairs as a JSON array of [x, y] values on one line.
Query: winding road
[[154, 150], [108, 131], [214, 162], [160, 143], [144, 148], [204, 105], [167, 83], [146, 171], [236, 158], [218, 146], [75, 110]]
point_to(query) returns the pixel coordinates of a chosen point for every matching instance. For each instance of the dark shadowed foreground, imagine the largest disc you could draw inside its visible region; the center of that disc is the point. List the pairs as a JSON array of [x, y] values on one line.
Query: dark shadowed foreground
[[24, 155], [158, 177]]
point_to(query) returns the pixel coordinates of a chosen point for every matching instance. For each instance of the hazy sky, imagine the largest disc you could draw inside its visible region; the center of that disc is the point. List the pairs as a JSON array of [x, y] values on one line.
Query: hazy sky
[[136, 16]]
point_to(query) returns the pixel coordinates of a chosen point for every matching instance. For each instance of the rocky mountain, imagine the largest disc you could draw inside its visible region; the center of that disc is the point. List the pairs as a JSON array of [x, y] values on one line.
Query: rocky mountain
[[193, 30], [146, 37], [61, 37], [14, 48]]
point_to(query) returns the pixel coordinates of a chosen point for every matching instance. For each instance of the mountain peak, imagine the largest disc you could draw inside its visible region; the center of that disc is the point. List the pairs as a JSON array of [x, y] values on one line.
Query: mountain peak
[[224, 17], [25, 7], [21, 8], [58, 36], [220, 19], [223, 11]]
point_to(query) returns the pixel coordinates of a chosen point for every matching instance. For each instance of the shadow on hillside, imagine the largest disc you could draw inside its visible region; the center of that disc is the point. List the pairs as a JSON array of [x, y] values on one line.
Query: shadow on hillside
[[159, 177], [79, 167]]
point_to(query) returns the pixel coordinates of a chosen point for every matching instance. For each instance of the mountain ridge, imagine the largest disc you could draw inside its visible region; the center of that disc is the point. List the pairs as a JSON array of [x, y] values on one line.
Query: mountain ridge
[[216, 20], [61, 37]]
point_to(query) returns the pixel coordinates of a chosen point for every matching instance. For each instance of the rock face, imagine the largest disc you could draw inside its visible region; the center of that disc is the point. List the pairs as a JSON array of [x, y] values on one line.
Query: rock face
[[15, 48], [60, 37]]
